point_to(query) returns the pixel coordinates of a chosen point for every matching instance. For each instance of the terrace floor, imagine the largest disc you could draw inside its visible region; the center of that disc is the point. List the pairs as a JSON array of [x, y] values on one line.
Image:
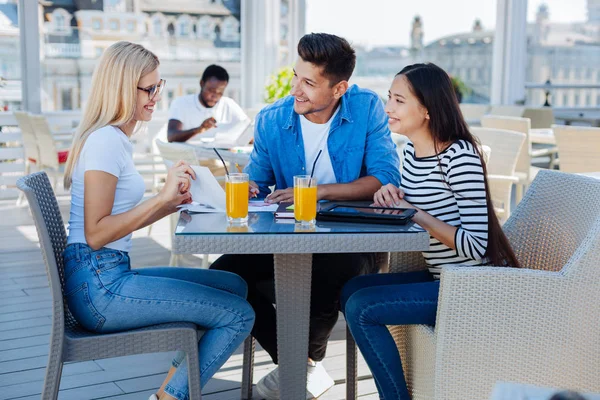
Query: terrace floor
[[25, 318]]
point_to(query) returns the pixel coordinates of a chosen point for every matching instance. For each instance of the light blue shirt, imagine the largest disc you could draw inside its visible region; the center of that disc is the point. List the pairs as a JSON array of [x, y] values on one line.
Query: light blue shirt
[[359, 143]]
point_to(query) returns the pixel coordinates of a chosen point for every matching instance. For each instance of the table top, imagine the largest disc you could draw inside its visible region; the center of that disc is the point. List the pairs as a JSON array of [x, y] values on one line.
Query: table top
[[265, 223], [542, 136], [211, 233]]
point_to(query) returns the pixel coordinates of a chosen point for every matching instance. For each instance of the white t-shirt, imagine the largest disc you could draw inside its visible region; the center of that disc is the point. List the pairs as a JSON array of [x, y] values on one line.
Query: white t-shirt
[[315, 139], [108, 149], [191, 113]]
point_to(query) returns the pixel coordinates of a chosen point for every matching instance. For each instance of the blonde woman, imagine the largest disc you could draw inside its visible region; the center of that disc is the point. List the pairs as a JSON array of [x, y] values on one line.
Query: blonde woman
[[103, 293]]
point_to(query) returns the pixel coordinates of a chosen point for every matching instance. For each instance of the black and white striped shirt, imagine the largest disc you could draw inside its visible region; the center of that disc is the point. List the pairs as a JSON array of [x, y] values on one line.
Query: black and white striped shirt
[[455, 194]]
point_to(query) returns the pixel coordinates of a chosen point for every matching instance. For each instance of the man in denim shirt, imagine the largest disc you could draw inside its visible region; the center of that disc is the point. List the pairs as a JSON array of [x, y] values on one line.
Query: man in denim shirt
[[348, 126]]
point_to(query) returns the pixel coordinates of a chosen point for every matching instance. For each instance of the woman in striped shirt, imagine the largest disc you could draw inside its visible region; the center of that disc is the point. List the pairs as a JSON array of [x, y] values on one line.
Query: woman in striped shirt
[[444, 180]]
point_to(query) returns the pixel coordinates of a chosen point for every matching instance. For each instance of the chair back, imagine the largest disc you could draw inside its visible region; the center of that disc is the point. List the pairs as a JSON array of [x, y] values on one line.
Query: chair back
[[541, 118], [507, 110], [557, 213], [516, 124], [578, 148], [174, 152], [505, 146], [30, 144], [43, 134], [473, 112], [53, 240]]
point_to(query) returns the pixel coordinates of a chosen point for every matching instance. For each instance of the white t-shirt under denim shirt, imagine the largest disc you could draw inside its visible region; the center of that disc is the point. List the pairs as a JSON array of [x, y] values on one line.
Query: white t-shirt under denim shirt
[[109, 150], [191, 113], [315, 138]]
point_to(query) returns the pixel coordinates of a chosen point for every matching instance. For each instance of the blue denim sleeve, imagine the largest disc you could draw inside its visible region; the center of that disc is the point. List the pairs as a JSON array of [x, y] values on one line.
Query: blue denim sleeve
[[259, 167], [381, 158]]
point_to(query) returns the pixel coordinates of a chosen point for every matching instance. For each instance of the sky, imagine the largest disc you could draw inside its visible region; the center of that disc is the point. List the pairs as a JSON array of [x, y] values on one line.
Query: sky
[[388, 22]]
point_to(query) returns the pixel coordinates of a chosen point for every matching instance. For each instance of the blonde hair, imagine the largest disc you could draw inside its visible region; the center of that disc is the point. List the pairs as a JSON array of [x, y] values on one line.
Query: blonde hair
[[113, 94]]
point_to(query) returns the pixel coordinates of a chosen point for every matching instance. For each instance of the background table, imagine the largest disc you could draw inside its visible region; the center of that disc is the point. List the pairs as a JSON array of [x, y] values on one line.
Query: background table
[[292, 248]]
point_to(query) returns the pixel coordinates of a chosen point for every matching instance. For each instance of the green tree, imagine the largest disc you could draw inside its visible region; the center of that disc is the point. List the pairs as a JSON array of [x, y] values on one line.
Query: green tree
[[279, 85]]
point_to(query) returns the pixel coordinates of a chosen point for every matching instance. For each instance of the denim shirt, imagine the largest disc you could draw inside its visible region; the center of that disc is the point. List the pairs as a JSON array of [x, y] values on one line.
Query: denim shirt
[[359, 143]]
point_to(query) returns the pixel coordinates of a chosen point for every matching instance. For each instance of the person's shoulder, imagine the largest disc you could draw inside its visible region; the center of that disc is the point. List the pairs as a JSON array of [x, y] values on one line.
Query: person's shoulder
[[183, 101], [355, 92], [461, 148], [106, 136]]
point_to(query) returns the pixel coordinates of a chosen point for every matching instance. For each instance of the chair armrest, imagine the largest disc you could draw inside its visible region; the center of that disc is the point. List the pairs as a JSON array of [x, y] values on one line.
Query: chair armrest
[[502, 178]]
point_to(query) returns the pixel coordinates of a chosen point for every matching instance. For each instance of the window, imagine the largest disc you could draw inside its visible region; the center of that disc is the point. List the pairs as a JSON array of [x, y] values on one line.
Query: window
[[588, 100], [576, 101], [59, 23], [114, 25], [157, 27], [598, 99], [190, 91], [565, 101], [184, 26], [131, 25], [230, 30], [97, 24], [115, 6], [205, 28], [66, 98], [98, 51]]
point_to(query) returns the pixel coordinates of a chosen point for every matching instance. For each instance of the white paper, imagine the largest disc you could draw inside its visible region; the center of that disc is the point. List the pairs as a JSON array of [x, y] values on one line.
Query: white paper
[[259, 206], [207, 194]]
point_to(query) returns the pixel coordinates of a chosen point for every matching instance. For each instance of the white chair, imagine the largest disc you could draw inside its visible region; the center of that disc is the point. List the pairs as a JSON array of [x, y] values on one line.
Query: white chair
[[537, 325], [507, 110], [31, 153], [472, 113], [523, 170], [505, 146], [541, 118], [51, 159], [578, 148], [174, 152]]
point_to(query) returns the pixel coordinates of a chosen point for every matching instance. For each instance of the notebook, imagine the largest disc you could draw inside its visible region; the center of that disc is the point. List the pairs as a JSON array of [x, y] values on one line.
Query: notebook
[[230, 135], [285, 210]]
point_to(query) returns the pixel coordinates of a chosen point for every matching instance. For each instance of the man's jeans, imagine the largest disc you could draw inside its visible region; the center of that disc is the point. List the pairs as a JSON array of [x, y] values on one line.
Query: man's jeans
[[105, 295], [370, 303], [329, 274]]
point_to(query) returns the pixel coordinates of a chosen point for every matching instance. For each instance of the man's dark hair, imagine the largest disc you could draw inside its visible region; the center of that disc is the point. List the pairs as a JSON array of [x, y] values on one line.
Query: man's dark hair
[[215, 71], [331, 52]]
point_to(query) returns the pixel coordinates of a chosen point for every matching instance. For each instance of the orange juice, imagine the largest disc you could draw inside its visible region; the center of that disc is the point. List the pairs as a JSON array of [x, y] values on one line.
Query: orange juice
[[236, 199], [305, 203]]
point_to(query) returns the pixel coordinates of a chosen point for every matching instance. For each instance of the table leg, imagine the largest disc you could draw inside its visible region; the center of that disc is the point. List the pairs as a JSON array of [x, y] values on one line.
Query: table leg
[[292, 291]]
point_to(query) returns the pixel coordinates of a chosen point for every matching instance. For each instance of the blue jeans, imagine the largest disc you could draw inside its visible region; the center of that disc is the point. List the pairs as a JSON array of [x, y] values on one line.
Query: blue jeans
[[105, 295], [370, 302]]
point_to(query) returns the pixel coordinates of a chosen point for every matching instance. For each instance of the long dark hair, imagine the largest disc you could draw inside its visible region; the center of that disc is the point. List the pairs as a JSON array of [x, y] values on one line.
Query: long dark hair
[[433, 88]]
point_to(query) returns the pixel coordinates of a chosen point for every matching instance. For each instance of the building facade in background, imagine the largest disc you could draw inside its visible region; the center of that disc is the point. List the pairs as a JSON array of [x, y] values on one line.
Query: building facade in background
[[564, 53]]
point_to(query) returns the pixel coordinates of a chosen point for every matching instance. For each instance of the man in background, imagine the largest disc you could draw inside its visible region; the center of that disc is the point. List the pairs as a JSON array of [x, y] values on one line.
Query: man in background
[[197, 114]]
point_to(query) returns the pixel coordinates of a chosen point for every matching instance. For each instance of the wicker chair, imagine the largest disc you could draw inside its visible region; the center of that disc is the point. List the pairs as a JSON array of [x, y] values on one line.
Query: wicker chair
[[538, 325], [69, 341]]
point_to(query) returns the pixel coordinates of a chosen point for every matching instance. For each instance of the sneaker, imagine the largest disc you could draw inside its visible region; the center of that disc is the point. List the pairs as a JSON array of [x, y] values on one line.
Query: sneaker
[[318, 382]]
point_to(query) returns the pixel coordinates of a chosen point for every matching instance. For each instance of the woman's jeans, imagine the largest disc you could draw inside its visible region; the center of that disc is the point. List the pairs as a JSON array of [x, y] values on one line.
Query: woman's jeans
[[105, 295], [371, 302]]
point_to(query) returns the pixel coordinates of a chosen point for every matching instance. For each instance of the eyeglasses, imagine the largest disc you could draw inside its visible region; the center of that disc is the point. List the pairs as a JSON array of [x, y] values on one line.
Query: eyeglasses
[[155, 90]]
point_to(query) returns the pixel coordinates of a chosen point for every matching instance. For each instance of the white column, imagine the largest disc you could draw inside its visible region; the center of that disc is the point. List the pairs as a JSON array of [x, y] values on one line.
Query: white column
[[260, 45], [29, 29], [297, 27], [509, 62]]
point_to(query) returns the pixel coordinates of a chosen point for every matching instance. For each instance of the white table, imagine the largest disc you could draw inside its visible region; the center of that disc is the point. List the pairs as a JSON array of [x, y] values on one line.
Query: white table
[[292, 249]]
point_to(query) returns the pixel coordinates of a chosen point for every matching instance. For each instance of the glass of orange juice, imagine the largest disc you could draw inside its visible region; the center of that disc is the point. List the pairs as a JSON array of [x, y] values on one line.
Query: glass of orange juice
[[305, 199], [236, 197]]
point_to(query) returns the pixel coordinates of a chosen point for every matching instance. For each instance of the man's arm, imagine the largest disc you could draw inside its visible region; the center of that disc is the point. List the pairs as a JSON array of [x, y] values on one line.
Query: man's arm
[[176, 134]]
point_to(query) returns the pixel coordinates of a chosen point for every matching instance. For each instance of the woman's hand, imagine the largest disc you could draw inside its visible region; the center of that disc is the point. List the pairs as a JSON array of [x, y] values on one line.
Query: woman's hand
[[176, 189], [390, 196]]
